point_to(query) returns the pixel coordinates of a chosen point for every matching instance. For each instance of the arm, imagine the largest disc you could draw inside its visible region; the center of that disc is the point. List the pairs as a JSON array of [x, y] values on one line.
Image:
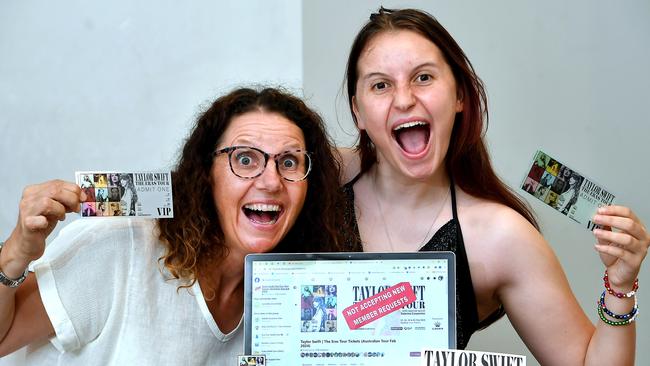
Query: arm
[[622, 252], [544, 311], [23, 318], [29, 322]]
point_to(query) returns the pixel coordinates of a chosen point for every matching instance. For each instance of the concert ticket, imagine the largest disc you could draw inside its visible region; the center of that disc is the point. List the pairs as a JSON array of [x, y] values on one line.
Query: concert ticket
[[139, 194], [565, 190], [251, 360]]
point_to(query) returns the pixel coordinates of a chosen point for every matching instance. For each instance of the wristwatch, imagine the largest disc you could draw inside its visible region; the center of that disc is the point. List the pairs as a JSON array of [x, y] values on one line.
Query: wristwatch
[[8, 281]]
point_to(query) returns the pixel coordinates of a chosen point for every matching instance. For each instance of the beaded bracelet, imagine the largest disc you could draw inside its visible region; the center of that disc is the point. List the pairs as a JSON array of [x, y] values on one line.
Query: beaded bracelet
[[635, 287], [601, 314], [631, 314]]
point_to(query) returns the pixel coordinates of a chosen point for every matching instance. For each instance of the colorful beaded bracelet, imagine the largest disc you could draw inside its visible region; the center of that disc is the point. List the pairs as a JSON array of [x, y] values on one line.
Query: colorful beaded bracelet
[[601, 314], [620, 294], [632, 313]]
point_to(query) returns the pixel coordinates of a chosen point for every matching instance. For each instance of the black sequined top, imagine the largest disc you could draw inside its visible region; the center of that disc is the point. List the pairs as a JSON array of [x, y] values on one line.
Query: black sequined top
[[448, 238]]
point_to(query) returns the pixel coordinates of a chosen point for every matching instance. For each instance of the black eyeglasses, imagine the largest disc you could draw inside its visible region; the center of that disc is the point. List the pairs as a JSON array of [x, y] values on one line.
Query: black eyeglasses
[[249, 162]]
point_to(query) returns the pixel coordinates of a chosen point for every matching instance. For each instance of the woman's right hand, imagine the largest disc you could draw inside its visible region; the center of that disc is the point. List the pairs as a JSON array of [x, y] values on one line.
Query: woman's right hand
[[23, 318], [41, 207]]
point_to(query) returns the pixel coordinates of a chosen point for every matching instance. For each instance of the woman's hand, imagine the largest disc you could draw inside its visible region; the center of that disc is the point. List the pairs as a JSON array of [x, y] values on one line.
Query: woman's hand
[[41, 208], [622, 249], [23, 318]]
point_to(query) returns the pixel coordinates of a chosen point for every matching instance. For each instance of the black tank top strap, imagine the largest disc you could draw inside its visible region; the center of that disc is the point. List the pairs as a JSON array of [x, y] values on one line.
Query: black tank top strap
[[452, 188], [353, 237], [467, 319], [468, 296], [354, 180]]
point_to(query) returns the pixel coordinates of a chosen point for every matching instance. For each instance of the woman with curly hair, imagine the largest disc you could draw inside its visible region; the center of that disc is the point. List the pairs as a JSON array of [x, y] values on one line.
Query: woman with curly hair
[[255, 175]]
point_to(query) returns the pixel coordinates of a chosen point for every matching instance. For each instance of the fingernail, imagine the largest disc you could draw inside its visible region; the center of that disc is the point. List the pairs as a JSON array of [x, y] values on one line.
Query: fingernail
[[601, 210]]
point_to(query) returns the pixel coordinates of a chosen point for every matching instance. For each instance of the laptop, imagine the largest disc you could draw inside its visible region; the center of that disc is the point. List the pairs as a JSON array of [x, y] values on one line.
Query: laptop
[[344, 309]]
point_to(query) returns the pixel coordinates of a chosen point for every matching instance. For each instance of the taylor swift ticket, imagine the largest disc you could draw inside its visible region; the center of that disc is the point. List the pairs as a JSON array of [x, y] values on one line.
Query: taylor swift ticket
[[139, 194], [565, 190]]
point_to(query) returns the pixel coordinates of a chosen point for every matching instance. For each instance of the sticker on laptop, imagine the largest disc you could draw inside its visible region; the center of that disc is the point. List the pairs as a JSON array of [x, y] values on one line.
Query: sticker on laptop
[[251, 360], [375, 307]]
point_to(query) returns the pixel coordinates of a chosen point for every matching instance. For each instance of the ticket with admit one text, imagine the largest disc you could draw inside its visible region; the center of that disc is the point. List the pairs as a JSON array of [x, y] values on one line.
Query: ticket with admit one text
[[132, 194]]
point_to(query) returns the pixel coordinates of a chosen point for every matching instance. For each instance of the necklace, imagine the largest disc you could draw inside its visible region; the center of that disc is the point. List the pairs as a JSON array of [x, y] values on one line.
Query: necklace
[[383, 220]]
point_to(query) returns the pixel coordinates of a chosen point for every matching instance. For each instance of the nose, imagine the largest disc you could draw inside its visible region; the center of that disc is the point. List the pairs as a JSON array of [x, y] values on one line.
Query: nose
[[404, 98], [270, 180]]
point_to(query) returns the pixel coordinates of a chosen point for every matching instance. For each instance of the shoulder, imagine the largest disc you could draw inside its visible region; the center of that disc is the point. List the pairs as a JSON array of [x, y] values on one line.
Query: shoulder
[[91, 251], [501, 239], [491, 219], [101, 235], [350, 163]]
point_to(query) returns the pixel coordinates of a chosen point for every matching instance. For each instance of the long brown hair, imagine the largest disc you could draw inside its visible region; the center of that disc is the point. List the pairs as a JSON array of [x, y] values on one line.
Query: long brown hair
[[467, 160], [194, 238]]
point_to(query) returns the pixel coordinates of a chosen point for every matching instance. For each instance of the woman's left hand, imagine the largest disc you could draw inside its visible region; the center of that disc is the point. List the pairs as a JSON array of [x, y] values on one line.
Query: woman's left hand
[[622, 250]]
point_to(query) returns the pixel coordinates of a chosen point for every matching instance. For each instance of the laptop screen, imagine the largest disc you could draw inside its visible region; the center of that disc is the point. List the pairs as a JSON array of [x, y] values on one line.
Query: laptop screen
[[341, 309]]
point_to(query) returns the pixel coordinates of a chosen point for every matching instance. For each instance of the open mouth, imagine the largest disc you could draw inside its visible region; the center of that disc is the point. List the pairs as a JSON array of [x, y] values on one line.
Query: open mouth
[[264, 214], [412, 137]]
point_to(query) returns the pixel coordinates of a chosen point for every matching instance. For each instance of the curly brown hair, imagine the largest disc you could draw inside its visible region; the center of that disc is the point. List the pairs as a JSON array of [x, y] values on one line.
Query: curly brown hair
[[194, 238]]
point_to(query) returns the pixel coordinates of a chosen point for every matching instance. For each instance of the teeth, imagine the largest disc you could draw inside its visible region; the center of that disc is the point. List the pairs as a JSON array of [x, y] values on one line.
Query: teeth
[[410, 124], [263, 207]]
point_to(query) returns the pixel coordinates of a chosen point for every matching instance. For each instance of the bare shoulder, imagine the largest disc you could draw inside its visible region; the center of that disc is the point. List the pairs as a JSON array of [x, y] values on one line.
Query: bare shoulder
[[350, 163], [499, 238]]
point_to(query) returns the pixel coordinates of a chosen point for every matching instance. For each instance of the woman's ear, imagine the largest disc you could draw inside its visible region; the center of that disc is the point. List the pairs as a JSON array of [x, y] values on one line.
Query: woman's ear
[[355, 109], [459, 101]]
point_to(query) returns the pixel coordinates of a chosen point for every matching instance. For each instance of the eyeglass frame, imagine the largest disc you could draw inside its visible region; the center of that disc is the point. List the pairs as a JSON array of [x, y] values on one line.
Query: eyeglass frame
[[229, 150]]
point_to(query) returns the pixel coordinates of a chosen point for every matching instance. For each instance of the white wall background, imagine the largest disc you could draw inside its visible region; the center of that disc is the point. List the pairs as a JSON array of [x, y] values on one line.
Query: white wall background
[[116, 86], [570, 78], [86, 86]]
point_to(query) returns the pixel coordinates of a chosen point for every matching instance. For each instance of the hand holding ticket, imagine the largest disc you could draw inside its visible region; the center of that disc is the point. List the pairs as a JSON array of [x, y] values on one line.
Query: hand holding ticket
[[140, 194], [41, 208]]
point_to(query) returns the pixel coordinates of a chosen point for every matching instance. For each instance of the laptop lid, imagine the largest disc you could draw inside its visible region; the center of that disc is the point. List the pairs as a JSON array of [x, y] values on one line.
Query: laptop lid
[[348, 308]]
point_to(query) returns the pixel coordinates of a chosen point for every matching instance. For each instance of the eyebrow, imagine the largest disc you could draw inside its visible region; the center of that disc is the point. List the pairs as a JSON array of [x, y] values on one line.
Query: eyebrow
[[381, 74], [244, 141]]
